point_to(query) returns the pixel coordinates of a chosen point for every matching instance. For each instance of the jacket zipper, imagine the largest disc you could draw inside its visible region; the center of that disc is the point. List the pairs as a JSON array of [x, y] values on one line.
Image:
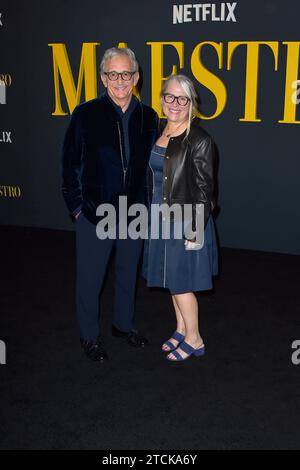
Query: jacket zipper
[[153, 181], [122, 156]]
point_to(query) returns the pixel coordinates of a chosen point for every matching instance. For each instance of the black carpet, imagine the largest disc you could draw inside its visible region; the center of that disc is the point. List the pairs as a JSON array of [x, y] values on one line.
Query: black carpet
[[243, 394]]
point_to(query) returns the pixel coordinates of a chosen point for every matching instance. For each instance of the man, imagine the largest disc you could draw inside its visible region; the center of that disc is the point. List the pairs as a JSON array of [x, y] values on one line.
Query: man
[[105, 155]]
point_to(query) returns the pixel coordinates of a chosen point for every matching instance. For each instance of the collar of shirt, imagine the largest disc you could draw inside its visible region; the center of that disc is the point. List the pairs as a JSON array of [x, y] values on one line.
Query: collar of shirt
[[132, 105]]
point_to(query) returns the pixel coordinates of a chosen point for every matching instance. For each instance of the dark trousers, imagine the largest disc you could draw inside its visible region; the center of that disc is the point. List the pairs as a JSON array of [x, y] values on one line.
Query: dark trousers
[[92, 259]]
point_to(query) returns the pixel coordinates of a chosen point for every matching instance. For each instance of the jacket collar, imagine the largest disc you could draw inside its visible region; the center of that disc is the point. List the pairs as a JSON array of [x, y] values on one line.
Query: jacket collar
[[112, 108]]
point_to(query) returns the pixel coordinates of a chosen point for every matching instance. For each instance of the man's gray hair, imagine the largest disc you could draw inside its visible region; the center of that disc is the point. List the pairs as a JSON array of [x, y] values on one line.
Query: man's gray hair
[[115, 51]]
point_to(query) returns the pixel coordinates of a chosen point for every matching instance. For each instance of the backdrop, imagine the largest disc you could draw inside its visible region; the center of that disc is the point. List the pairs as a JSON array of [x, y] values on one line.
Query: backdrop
[[243, 57]]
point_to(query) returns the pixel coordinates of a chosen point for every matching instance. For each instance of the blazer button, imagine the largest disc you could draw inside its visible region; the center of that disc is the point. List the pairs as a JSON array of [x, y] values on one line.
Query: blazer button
[[166, 177]]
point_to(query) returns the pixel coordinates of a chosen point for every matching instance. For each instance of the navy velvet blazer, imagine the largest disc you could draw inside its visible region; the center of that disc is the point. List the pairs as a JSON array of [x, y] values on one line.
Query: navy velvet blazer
[[93, 156]]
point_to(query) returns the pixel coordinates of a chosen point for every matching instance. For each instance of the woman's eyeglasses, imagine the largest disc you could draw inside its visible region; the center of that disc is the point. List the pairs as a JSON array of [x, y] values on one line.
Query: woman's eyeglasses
[[181, 100]]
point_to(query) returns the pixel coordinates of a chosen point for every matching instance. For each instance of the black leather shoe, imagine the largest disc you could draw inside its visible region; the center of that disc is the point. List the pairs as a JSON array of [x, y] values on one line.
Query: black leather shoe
[[133, 338], [94, 350]]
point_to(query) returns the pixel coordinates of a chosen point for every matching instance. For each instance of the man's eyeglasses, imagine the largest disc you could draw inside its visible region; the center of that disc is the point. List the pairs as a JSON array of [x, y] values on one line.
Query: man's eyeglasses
[[181, 100], [113, 76]]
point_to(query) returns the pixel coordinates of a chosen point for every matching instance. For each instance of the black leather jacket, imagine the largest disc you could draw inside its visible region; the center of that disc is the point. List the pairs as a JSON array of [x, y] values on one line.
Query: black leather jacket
[[188, 172], [94, 168]]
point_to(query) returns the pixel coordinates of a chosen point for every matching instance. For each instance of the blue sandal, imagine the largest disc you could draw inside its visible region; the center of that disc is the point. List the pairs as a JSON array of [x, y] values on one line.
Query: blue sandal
[[187, 348], [178, 337]]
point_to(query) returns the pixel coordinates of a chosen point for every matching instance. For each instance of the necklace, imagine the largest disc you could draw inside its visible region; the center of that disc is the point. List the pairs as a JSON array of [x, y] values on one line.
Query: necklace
[[169, 134]]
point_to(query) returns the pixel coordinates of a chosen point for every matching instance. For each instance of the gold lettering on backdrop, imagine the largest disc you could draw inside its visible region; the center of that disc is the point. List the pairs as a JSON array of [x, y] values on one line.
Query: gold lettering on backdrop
[[10, 191], [62, 71], [292, 67], [157, 68], [252, 68], [63, 76], [207, 78], [6, 79]]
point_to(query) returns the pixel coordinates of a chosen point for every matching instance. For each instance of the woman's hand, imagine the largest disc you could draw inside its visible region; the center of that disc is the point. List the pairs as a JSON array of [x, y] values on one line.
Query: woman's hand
[[191, 245]]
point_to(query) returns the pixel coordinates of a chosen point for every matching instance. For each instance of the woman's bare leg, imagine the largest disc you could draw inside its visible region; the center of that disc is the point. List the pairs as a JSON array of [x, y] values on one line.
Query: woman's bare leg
[[188, 307], [180, 325]]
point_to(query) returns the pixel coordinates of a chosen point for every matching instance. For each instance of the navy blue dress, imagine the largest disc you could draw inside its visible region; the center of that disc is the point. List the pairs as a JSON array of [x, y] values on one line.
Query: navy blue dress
[[166, 261]]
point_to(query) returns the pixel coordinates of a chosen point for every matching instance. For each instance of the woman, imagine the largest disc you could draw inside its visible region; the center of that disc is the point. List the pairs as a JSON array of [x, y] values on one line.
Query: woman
[[182, 169]]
